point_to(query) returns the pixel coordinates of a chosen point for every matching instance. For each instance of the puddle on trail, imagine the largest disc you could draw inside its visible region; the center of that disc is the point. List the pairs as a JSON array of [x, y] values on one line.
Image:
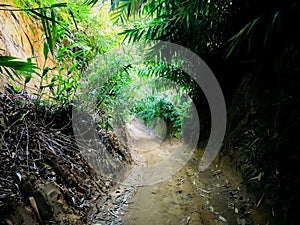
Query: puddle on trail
[[186, 197]]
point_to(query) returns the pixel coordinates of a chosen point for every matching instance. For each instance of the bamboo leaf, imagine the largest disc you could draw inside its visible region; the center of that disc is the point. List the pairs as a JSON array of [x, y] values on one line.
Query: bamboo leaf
[[44, 16], [53, 32], [30, 43], [73, 17], [14, 63], [11, 76], [276, 15], [72, 68], [252, 25], [46, 49], [28, 77], [45, 71], [59, 5]]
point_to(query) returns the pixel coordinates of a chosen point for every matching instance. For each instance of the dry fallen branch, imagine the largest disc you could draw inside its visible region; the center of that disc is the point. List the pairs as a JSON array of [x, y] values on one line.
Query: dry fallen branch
[[35, 145]]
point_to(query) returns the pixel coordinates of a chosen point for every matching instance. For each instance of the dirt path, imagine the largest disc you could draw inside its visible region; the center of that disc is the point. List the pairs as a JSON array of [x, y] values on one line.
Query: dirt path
[[186, 197]]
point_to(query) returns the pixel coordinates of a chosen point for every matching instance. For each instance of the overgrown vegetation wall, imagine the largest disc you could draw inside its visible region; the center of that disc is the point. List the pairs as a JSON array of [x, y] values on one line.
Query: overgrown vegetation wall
[[261, 142]]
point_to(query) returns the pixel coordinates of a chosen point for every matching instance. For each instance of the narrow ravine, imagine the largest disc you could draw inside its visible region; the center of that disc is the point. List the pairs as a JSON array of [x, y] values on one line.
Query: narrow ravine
[[187, 197]]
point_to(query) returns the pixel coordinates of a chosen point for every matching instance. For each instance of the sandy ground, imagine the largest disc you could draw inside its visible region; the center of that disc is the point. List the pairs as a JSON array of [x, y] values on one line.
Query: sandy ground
[[185, 197]]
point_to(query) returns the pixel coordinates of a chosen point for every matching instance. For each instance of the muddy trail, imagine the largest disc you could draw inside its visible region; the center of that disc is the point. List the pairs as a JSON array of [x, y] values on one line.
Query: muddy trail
[[186, 197]]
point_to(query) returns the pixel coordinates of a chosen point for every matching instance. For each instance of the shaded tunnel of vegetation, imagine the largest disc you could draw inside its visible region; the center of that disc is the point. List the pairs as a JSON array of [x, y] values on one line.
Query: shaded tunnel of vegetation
[[251, 46]]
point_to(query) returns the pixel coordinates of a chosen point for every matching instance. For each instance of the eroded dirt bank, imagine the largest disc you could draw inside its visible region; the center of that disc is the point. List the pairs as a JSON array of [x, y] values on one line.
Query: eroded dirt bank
[[261, 143], [21, 36], [44, 178]]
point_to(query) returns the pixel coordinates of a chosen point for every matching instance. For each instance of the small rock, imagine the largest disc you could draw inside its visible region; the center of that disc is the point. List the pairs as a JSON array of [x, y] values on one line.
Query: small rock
[[222, 218], [241, 221], [236, 210], [188, 219]]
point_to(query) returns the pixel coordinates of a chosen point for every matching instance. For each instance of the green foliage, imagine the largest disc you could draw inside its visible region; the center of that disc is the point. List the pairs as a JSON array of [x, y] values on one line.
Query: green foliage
[[196, 25], [72, 37], [155, 106], [261, 32], [156, 99], [56, 26], [14, 67], [102, 85], [269, 35], [181, 22], [160, 106], [17, 69], [163, 71], [48, 14]]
